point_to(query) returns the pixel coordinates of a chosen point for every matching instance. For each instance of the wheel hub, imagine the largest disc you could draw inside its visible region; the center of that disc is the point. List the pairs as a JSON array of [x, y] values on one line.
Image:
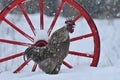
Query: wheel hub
[[40, 43]]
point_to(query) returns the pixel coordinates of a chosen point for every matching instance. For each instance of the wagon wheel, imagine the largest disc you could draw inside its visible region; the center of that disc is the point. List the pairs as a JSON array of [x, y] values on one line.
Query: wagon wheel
[[93, 33]]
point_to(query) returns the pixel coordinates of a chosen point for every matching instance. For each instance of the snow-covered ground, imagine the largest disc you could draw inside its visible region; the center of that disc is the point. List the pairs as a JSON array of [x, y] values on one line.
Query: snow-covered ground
[[108, 67], [77, 73]]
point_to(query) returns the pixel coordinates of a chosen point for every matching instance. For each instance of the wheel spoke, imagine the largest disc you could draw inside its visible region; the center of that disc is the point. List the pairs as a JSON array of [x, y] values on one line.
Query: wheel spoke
[[55, 18], [41, 15], [81, 37], [66, 64], [80, 54], [34, 67], [27, 17], [15, 42], [19, 30], [11, 57], [77, 17], [21, 66], [7, 9]]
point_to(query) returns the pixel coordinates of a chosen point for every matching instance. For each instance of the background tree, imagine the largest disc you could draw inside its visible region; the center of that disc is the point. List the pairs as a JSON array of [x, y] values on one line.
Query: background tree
[[50, 7], [96, 8], [101, 8]]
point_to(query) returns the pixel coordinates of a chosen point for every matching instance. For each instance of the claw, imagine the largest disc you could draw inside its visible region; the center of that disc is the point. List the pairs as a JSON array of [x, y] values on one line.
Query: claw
[[24, 58], [27, 53]]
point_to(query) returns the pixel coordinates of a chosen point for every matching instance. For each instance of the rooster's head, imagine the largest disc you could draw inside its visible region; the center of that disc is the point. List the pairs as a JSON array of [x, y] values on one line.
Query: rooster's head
[[70, 25]]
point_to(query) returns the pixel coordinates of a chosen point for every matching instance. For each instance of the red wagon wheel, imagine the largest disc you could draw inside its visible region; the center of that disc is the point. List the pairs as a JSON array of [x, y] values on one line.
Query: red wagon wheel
[[91, 34]]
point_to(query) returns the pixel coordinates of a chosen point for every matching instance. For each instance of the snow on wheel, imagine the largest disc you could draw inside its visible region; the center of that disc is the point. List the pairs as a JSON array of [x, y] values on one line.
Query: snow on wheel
[[34, 31]]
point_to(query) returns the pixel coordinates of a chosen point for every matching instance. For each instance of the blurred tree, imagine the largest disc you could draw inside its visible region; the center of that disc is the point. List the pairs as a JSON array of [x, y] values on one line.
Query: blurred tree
[[4, 3], [32, 6], [69, 11], [96, 8], [108, 9], [50, 7]]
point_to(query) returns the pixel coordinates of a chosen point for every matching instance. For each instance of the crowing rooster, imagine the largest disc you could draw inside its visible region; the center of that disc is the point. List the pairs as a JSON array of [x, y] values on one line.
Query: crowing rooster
[[50, 57]]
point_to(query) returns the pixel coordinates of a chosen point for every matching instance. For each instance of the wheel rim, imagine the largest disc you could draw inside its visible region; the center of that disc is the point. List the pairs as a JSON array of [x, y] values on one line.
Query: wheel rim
[[82, 13]]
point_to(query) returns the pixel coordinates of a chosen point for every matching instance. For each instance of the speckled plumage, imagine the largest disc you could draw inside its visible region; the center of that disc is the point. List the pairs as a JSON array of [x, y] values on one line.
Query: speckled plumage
[[49, 58]]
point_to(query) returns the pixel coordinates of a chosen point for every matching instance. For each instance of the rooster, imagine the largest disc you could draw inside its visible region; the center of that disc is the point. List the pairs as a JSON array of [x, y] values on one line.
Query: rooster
[[49, 58]]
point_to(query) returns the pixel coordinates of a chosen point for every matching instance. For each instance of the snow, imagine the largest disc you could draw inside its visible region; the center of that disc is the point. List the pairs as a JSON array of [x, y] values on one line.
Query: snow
[[77, 73], [108, 67], [38, 36]]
